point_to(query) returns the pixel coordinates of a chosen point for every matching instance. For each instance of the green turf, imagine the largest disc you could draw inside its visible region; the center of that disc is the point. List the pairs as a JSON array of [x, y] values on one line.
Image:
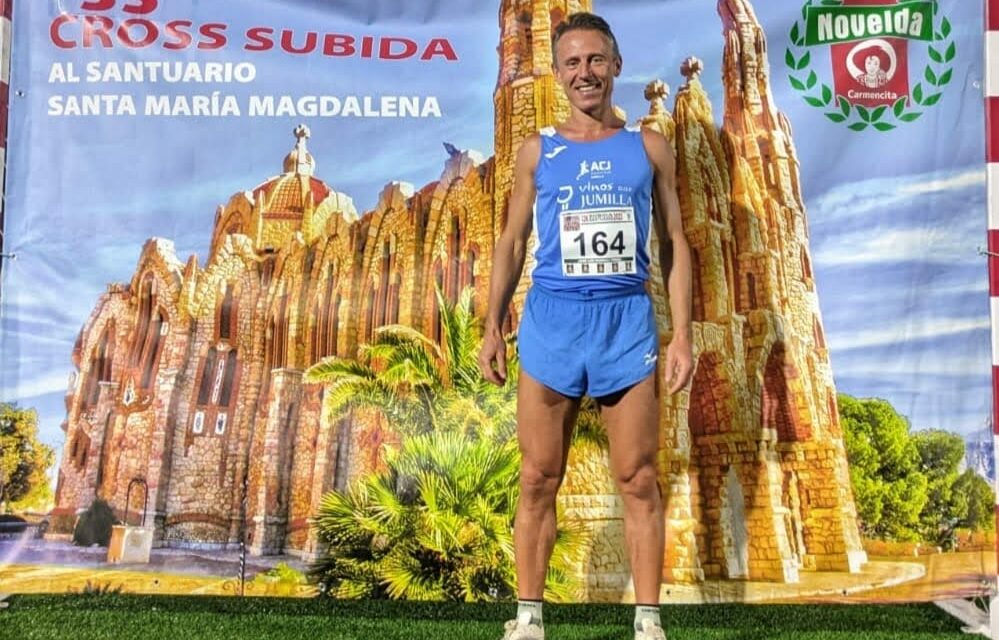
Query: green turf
[[114, 617]]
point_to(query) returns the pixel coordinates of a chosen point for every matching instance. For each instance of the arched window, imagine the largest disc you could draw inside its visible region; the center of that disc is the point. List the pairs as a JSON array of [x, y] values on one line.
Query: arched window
[[806, 265], [80, 449], [150, 332], [778, 405], [267, 270], [455, 245], [321, 329], [369, 328], [228, 381], [153, 346], [281, 335], [307, 263], [226, 317], [100, 367], [698, 289], [393, 299], [205, 388], [333, 347], [142, 320], [525, 42], [435, 320], [383, 284], [468, 279], [216, 392], [342, 457], [818, 333]]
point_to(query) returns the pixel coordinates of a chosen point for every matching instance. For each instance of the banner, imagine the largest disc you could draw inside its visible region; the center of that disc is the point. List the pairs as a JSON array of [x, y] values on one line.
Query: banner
[[253, 244]]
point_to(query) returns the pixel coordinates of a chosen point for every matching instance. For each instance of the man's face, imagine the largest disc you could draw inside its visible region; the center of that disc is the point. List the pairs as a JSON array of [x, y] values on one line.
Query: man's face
[[872, 64], [585, 66]]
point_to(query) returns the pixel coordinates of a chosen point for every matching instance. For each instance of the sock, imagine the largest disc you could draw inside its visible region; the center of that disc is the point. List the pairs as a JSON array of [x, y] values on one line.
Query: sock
[[532, 607], [646, 612]]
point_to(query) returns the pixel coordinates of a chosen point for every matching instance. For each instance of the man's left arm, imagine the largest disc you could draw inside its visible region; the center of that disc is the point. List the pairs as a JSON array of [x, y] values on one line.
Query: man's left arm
[[674, 258]]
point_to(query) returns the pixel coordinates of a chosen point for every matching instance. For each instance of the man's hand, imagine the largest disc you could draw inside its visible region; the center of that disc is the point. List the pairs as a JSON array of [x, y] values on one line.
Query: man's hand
[[492, 357], [679, 362]]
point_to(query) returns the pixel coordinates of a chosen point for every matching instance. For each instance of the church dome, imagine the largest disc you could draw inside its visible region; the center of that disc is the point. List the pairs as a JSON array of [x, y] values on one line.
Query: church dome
[[288, 195]]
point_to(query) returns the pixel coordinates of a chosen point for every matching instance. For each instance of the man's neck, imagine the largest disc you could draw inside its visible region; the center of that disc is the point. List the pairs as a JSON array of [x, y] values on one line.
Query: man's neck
[[585, 126]]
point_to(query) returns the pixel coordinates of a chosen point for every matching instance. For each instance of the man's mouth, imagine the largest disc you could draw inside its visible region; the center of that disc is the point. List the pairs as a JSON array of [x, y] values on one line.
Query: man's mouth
[[588, 89]]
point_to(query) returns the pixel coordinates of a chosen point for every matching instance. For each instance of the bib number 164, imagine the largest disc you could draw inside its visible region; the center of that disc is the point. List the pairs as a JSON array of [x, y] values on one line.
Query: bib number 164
[[598, 242]]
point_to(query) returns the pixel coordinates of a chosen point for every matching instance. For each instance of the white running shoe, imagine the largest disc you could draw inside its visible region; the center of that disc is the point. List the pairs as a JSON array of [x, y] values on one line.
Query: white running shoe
[[650, 631], [522, 629]]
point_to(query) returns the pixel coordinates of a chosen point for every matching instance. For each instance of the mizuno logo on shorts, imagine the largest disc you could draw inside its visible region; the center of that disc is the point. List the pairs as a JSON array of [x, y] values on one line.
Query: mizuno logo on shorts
[[650, 357]]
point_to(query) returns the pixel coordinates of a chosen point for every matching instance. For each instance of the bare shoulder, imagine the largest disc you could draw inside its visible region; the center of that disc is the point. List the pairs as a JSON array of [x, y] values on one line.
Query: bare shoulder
[[657, 147], [529, 153]]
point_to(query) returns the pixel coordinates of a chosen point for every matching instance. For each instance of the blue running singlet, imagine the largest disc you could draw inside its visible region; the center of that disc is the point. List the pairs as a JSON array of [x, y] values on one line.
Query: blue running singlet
[[588, 325], [592, 213]]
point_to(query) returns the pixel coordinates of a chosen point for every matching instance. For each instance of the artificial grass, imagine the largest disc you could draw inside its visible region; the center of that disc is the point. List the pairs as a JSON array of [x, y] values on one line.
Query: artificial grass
[[116, 617]]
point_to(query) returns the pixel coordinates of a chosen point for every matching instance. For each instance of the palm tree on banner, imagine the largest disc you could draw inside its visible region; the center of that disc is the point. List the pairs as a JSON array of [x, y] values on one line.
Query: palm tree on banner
[[435, 526], [420, 385]]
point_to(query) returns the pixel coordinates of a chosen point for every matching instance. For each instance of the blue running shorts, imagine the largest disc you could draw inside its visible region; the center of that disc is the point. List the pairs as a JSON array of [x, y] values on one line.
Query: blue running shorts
[[594, 343]]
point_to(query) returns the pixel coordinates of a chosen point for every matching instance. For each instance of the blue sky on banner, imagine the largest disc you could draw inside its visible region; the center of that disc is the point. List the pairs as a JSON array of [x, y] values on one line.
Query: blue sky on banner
[[895, 218]]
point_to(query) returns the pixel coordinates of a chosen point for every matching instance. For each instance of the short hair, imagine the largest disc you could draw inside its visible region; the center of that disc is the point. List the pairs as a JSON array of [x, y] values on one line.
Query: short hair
[[583, 21]]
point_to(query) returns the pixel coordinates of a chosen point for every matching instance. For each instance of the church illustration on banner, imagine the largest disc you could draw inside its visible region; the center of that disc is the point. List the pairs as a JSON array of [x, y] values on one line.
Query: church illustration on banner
[[191, 377]]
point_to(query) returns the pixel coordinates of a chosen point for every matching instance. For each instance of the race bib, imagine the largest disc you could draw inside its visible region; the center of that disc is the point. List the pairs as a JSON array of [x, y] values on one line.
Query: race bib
[[598, 242]]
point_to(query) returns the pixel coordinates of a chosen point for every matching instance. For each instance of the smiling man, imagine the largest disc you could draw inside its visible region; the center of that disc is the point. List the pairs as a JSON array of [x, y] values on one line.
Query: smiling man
[[588, 325]]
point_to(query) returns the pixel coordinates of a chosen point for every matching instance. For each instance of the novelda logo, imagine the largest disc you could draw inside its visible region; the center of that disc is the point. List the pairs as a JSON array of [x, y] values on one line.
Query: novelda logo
[[869, 44]]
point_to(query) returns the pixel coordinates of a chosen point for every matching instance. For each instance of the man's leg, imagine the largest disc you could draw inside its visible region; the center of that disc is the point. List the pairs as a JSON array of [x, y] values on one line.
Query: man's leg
[[632, 421], [545, 419]]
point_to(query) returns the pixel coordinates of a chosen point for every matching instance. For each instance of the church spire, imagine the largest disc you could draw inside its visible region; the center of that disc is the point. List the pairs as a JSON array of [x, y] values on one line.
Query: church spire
[[300, 161]]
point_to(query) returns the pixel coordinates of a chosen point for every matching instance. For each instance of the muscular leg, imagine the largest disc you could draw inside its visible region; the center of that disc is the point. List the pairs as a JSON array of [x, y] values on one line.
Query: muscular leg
[[632, 421], [545, 419]]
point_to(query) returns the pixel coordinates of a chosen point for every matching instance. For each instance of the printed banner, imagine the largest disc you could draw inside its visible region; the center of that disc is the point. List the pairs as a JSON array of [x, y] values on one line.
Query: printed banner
[[253, 245]]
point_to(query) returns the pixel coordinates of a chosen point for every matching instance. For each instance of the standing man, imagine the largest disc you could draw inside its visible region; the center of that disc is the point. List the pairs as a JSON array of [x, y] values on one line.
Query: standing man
[[588, 325]]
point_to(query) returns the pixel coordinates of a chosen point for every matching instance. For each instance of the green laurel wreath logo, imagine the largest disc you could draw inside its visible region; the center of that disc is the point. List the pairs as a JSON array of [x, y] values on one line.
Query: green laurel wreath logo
[[937, 74]]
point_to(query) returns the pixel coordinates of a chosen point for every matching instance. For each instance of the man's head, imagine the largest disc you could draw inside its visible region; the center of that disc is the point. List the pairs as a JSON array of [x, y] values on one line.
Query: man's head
[[586, 60], [584, 21]]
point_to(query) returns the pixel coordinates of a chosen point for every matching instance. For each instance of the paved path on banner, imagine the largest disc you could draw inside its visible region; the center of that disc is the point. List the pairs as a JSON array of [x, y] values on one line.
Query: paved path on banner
[[38, 566], [882, 580], [53, 567]]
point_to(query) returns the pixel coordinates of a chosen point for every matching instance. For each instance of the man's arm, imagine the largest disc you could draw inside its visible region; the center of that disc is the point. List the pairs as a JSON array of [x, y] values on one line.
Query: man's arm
[[508, 260], [674, 258]]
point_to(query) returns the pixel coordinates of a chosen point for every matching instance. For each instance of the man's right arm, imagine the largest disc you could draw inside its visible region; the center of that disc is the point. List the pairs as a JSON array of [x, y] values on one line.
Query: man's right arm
[[508, 260]]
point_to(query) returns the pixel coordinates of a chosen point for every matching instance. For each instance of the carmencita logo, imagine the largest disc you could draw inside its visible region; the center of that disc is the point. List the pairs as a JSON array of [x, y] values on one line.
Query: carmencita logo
[[870, 45]]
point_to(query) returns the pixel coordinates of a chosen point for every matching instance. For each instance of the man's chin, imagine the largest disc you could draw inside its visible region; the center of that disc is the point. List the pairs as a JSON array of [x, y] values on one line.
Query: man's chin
[[588, 101]]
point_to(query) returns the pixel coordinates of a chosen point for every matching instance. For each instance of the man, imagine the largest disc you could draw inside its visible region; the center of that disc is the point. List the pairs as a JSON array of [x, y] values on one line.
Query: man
[[588, 325]]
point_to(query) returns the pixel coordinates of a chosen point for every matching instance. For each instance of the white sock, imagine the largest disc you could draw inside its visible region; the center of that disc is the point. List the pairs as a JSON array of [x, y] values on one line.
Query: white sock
[[646, 612], [532, 608]]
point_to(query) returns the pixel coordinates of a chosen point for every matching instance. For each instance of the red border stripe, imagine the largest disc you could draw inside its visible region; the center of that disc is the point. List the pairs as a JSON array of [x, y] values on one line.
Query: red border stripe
[[994, 264], [6, 5], [995, 404], [991, 127], [992, 155]]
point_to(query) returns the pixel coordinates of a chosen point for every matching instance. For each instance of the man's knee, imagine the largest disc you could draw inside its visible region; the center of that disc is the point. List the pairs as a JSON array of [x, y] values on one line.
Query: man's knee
[[639, 482], [539, 483]]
